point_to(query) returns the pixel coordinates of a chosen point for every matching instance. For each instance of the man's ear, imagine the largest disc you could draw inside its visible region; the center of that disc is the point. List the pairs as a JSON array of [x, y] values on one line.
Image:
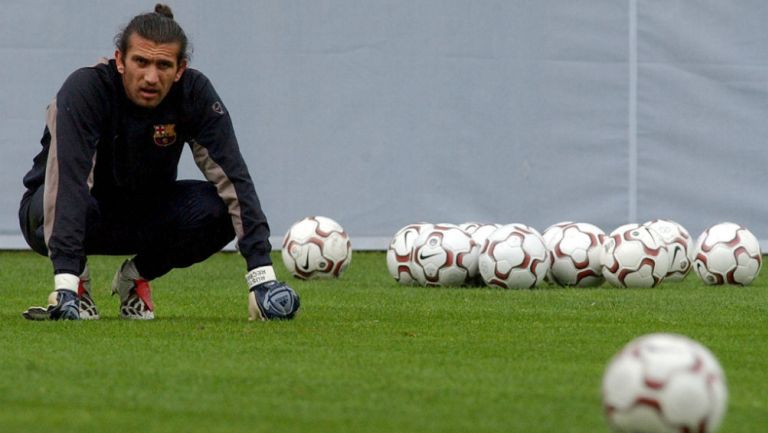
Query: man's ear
[[120, 61], [180, 72]]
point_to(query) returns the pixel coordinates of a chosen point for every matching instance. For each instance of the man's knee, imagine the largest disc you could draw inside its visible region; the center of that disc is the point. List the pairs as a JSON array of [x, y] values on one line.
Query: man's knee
[[197, 215], [31, 221], [198, 204]]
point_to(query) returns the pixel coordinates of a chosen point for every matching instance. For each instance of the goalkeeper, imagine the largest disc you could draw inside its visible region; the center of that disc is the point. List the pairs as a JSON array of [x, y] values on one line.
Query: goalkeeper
[[105, 180]]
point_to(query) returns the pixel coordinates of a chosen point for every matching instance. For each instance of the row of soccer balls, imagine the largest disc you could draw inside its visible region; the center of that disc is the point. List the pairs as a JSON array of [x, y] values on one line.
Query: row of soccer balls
[[517, 256], [571, 254]]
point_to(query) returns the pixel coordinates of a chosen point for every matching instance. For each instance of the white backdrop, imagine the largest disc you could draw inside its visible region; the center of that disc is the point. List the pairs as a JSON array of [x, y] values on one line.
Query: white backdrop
[[379, 113]]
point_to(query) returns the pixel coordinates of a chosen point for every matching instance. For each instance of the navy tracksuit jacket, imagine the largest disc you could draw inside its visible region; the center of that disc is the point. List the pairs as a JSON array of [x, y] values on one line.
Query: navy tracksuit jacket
[[104, 158]]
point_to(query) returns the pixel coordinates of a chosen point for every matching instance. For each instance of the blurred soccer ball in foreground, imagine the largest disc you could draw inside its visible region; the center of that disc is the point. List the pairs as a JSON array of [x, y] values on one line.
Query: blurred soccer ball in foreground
[[316, 247], [679, 246], [400, 252], [444, 255], [635, 256], [727, 253], [664, 383], [575, 250], [514, 257]]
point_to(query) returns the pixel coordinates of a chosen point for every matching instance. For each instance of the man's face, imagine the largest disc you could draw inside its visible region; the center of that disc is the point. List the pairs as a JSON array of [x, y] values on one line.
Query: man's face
[[149, 70]]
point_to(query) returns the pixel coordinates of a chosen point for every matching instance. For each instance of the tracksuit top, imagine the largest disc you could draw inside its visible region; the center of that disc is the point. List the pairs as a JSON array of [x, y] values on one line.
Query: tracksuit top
[[98, 143]]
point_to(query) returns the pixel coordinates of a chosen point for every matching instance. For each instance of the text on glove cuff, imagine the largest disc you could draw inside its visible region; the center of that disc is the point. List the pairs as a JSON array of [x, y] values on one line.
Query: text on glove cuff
[[260, 275]]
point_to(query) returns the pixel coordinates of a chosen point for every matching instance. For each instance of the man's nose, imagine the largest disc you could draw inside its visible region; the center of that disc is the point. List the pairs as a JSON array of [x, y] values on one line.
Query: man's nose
[[151, 76]]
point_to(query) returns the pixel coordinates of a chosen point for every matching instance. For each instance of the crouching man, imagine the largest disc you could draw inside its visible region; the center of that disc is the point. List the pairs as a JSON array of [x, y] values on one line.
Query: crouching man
[[105, 180]]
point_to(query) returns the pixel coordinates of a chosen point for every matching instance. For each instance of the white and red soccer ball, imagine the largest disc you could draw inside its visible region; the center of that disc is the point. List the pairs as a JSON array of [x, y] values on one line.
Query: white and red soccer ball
[[400, 252], [479, 231], [514, 256], [316, 247], [727, 253], [444, 255], [679, 247], [575, 251], [634, 256], [664, 383]]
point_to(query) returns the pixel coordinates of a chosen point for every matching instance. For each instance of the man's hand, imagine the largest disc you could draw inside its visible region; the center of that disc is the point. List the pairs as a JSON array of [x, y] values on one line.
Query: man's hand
[[268, 298], [63, 304]]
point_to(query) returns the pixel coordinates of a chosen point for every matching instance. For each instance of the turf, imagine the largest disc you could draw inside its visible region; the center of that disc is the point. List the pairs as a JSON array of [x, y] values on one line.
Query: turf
[[365, 354]]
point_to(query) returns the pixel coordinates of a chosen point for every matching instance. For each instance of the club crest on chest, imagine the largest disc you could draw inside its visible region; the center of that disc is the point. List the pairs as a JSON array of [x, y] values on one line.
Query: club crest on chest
[[164, 135]]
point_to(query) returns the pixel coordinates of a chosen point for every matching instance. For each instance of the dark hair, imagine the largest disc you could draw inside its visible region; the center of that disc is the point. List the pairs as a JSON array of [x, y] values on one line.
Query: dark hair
[[158, 26]]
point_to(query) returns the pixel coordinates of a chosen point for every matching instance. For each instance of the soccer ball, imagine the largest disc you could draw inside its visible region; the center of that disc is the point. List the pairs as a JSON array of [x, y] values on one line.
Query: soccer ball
[[575, 250], [514, 257], [679, 247], [727, 253], [527, 229], [623, 228], [444, 255], [664, 383], [479, 232], [316, 247], [635, 257], [470, 227], [400, 252]]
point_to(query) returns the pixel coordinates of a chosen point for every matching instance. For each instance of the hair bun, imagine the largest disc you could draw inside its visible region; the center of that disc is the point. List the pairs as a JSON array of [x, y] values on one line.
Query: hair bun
[[164, 10]]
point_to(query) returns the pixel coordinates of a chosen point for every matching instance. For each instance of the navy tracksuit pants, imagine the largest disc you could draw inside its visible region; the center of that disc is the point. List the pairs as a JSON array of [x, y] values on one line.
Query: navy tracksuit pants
[[180, 226]]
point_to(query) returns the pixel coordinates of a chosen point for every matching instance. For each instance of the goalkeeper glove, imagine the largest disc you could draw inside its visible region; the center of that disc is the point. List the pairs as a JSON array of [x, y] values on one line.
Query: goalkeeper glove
[[268, 298]]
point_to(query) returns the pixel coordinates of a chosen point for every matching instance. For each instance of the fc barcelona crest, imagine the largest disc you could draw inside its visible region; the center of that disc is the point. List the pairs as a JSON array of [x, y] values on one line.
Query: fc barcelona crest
[[165, 135]]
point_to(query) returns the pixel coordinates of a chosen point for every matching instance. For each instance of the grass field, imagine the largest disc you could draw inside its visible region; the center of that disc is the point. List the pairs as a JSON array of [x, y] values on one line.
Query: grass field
[[365, 355]]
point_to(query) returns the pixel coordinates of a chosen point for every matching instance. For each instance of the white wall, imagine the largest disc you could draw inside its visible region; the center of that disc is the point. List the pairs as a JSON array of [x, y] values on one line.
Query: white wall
[[379, 113]]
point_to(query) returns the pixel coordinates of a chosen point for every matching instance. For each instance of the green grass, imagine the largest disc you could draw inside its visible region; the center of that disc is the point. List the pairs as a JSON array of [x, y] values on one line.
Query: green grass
[[365, 355]]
